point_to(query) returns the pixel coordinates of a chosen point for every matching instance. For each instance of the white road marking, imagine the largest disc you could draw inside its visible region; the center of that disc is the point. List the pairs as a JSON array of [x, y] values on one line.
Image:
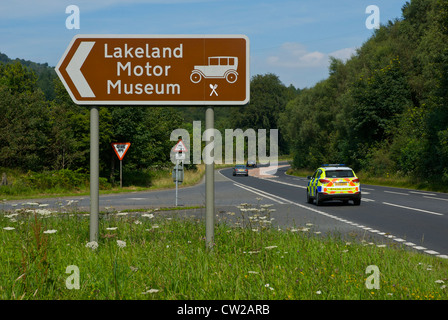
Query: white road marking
[[431, 252], [403, 194], [260, 193], [283, 200], [415, 209], [288, 184], [423, 193], [435, 198]]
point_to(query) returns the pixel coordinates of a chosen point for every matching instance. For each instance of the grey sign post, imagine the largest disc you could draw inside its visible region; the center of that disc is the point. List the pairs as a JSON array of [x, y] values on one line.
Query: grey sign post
[[94, 172], [209, 184]]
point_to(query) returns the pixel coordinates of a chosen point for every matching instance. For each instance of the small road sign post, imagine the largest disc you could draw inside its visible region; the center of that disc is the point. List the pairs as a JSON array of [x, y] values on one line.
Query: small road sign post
[[120, 149], [178, 172], [207, 70]]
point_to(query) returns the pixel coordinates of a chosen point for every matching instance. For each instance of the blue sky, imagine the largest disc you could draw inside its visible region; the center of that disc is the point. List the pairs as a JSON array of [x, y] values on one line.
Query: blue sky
[[292, 39]]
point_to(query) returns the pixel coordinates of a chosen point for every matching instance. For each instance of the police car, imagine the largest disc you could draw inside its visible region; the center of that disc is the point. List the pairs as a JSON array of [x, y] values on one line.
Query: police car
[[333, 182]]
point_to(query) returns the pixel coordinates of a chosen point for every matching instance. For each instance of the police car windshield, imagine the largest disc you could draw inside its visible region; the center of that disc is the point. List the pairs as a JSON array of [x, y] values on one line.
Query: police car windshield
[[339, 174]]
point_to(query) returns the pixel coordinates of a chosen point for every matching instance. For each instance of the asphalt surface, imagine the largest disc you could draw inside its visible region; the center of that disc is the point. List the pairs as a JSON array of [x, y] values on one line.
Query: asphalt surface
[[415, 219]]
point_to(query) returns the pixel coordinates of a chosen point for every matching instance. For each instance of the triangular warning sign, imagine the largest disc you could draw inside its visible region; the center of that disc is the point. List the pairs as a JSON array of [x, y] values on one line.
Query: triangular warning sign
[[180, 147], [121, 148]]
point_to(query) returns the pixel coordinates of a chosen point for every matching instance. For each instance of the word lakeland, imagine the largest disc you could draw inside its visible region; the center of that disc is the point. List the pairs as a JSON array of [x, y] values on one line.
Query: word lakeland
[[240, 309], [145, 69]]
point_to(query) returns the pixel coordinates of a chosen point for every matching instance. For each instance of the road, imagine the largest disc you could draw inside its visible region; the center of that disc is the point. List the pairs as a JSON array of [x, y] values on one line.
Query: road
[[416, 219]]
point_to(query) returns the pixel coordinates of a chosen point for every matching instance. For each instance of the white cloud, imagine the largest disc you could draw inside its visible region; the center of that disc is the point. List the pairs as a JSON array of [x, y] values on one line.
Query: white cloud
[[343, 54], [295, 64], [296, 55]]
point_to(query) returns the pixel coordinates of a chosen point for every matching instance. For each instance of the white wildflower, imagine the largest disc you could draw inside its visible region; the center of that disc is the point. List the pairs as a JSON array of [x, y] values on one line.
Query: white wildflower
[[270, 247], [92, 245], [121, 243], [148, 215], [8, 228], [137, 222], [151, 291], [318, 292], [50, 231], [112, 228]]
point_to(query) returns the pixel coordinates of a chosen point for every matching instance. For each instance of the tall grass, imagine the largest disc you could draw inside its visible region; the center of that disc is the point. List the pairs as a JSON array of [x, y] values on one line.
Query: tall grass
[[156, 255], [66, 182]]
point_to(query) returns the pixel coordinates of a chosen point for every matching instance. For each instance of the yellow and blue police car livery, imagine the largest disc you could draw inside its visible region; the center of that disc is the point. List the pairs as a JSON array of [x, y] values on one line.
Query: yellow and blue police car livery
[[333, 182]]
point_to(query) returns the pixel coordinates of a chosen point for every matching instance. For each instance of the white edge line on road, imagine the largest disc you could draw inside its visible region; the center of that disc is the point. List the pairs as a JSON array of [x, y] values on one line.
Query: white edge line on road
[[260, 193], [415, 209], [387, 235], [288, 184]]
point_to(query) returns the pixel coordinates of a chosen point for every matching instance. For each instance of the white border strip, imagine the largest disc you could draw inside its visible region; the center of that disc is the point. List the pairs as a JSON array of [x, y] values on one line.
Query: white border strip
[[157, 36]]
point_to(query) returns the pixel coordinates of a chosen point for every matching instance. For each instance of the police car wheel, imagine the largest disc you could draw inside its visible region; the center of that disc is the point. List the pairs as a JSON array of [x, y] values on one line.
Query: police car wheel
[[308, 198], [318, 200], [357, 202]]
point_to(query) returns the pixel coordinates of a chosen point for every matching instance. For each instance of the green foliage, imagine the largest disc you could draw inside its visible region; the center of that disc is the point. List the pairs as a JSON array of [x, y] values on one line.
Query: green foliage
[[268, 99], [385, 109]]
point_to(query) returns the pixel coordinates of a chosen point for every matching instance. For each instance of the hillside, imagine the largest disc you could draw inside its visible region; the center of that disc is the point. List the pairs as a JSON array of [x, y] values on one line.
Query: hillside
[[45, 74], [384, 111]]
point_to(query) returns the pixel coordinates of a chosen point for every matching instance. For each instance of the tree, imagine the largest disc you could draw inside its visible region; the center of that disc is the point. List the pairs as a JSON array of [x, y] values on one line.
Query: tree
[[269, 97]]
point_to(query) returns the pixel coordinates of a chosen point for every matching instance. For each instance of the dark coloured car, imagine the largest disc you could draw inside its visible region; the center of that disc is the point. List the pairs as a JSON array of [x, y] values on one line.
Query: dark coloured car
[[251, 163], [240, 169]]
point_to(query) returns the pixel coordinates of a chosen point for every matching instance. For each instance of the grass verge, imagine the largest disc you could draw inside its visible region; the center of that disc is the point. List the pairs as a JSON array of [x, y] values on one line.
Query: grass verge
[[153, 255], [68, 183]]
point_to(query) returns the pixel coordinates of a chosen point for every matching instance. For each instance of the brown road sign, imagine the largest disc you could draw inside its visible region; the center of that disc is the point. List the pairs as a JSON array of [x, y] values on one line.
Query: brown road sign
[[157, 69]]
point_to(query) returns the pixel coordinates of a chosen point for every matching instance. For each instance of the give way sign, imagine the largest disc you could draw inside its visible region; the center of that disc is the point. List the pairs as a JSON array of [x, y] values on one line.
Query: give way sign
[[121, 148]]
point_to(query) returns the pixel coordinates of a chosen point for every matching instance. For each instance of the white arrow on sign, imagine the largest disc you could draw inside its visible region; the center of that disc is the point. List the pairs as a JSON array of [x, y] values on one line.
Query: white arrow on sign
[[74, 69]]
